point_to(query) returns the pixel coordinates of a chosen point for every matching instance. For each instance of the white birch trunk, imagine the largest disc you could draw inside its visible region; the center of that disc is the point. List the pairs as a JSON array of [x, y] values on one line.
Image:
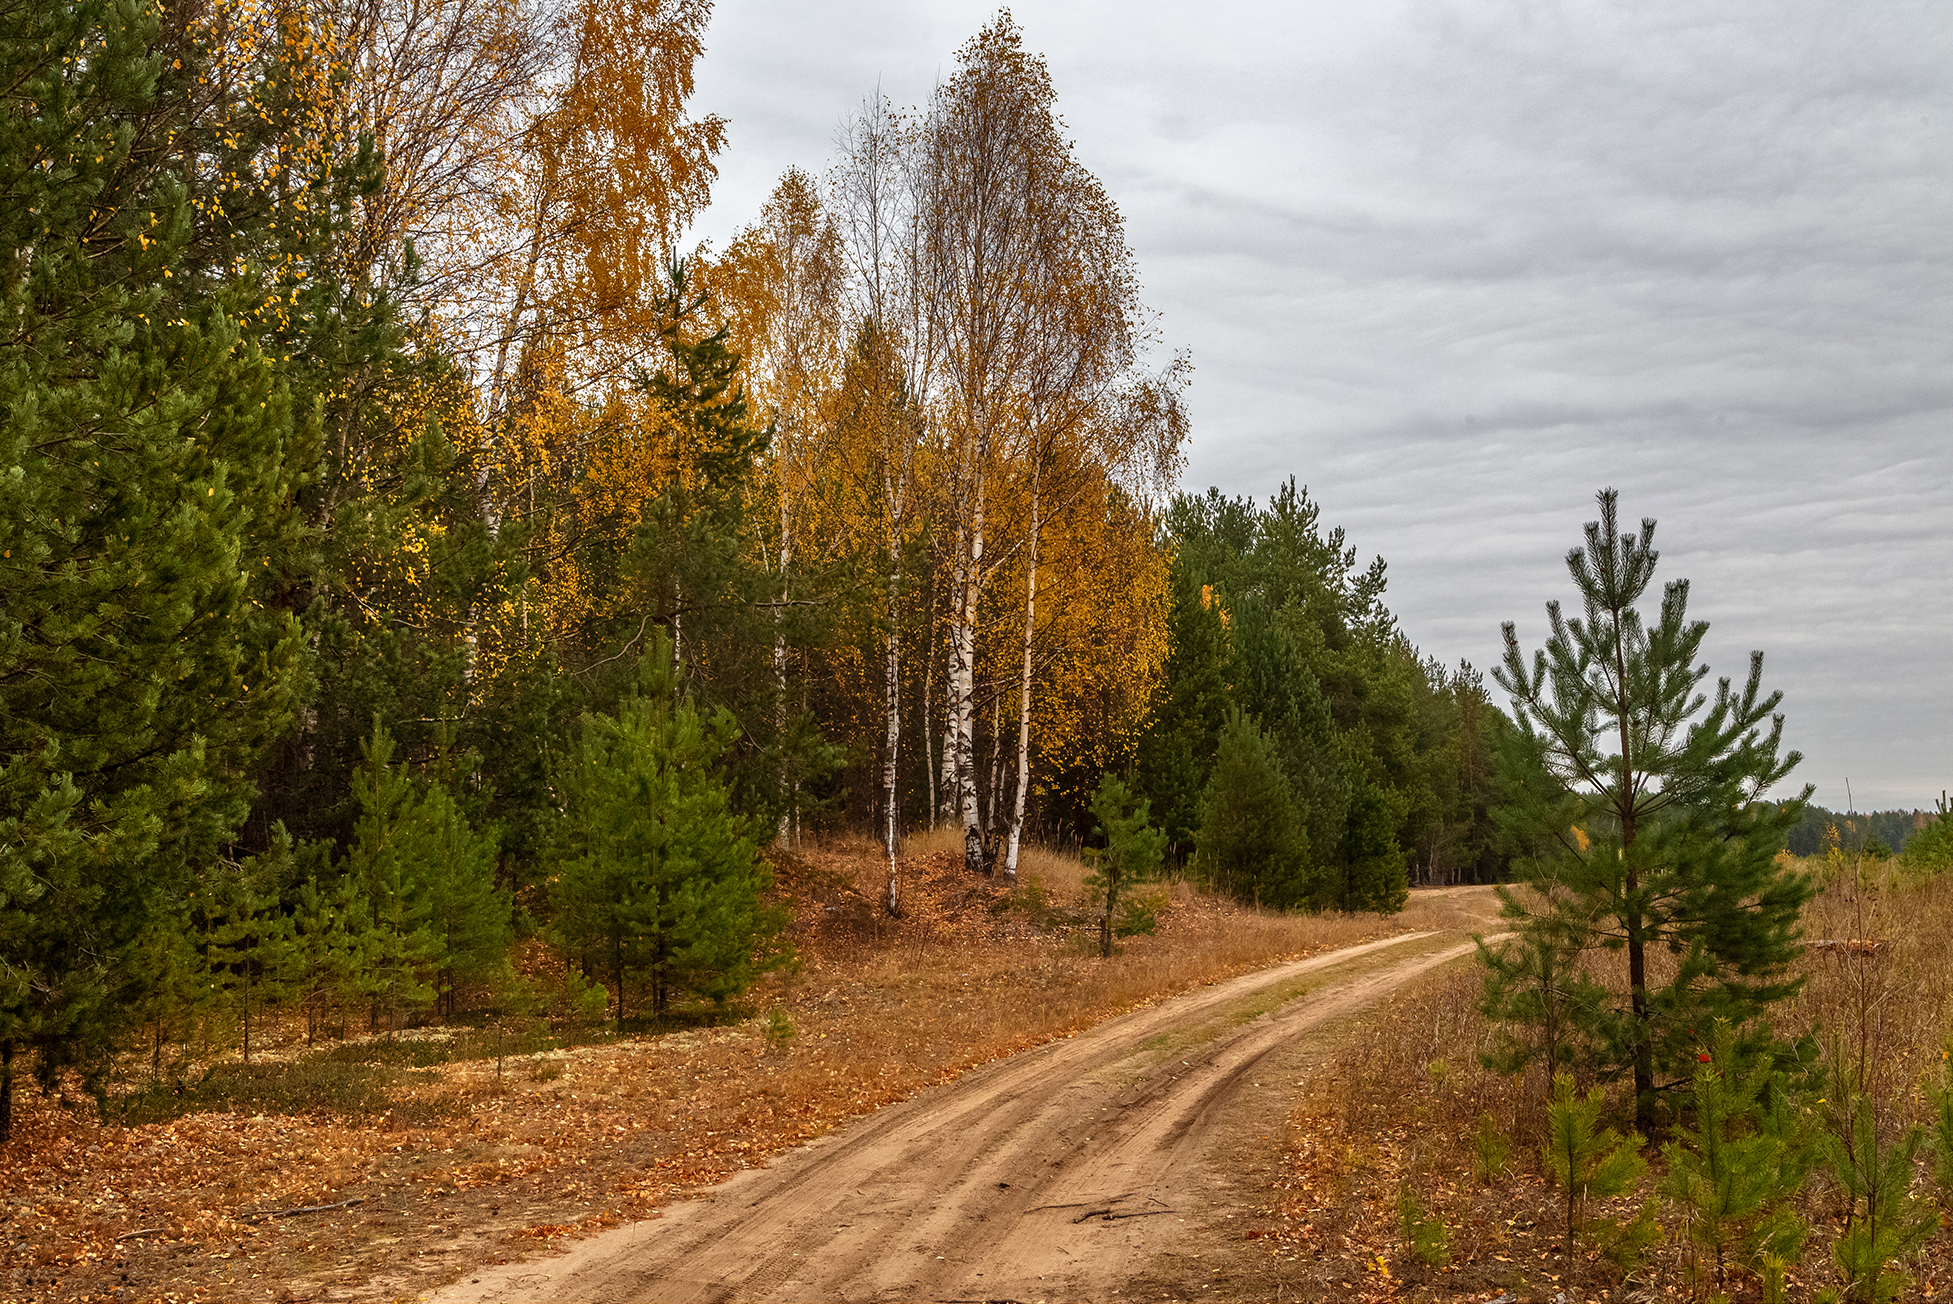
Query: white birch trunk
[[996, 760], [928, 692], [962, 670], [894, 737], [946, 763], [1024, 693], [677, 630]]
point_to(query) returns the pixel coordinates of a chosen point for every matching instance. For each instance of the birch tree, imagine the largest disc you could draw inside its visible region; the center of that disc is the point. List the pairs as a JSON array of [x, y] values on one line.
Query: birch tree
[[889, 370], [1033, 295]]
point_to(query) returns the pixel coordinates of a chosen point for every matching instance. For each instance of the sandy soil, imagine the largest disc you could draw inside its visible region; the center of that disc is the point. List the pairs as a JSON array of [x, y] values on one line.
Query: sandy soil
[[1111, 1164]]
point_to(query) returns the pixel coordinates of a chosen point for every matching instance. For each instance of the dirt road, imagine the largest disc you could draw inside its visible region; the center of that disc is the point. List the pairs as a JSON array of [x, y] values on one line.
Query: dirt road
[[1057, 1174]]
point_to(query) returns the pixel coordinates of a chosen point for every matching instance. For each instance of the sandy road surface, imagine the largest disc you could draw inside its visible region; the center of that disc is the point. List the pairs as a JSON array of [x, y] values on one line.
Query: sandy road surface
[[1056, 1174]]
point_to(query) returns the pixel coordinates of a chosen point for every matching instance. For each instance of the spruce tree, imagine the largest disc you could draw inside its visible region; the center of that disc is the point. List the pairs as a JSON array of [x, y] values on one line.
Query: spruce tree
[[1646, 817]]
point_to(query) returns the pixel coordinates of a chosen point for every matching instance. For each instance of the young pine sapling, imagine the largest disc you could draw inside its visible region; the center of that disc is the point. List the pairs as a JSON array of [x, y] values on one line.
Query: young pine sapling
[[1131, 856]]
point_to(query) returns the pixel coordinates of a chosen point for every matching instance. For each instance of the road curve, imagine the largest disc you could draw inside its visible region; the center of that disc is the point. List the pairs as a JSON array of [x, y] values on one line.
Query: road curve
[[1054, 1174]]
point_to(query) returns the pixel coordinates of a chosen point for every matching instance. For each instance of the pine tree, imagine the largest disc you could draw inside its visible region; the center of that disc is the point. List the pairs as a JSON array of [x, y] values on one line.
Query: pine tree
[[1251, 841], [657, 879], [1373, 876], [1131, 856], [391, 859], [1189, 708], [467, 913], [1646, 812], [1586, 1160], [176, 991], [149, 457], [248, 947], [1738, 1165], [333, 926], [1275, 681], [1873, 1161]]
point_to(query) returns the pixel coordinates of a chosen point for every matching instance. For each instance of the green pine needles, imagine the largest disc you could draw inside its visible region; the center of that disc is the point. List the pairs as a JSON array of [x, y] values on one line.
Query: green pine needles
[[1735, 1170], [1638, 803], [1590, 1162], [1873, 1162], [1132, 855], [659, 886], [1252, 845]]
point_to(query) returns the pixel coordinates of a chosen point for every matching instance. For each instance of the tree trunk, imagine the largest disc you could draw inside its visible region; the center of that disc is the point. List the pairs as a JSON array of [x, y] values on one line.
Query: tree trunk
[[1644, 1050], [1637, 942], [1024, 693], [962, 689], [780, 664], [677, 628], [893, 739], [6, 1089], [996, 762], [946, 763], [617, 975], [928, 683]]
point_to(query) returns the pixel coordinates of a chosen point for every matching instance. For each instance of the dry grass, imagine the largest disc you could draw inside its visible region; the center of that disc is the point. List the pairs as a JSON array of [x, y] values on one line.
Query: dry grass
[[1400, 1105]]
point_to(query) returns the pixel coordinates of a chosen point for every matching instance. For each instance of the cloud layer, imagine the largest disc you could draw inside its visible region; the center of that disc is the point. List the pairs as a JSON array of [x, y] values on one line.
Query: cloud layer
[[1457, 265]]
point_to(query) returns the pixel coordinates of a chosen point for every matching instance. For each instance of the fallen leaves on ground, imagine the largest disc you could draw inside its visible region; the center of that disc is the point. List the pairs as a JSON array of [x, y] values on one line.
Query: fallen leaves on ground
[[483, 1161]]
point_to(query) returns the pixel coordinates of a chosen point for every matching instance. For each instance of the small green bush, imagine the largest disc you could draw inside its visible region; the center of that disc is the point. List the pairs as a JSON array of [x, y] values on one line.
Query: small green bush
[[311, 1087], [1930, 850]]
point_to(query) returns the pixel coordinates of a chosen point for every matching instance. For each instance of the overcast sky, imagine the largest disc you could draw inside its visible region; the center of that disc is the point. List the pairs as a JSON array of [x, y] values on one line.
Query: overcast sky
[[1456, 265]]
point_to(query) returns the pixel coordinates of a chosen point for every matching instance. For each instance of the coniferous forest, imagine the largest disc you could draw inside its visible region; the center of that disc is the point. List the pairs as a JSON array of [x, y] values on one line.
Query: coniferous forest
[[412, 549]]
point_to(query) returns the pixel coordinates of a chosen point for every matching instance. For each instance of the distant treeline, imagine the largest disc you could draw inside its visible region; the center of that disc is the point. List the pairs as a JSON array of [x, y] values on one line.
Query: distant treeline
[[1855, 829]]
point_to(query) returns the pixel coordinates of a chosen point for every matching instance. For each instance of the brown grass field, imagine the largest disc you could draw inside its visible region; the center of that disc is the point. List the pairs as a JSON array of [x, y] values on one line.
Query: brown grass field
[[1400, 1105]]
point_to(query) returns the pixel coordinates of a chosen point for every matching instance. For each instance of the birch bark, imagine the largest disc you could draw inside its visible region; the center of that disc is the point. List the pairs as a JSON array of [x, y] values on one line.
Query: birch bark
[[1024, 689], [962, 687]]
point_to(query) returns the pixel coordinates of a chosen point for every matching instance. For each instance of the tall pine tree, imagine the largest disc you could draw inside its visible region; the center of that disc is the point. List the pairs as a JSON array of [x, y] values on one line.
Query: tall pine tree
[[150, 453]]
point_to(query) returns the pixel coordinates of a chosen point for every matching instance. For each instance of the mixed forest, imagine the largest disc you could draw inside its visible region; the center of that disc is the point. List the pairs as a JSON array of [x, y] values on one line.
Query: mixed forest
[[409, 547], [437, 589]]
